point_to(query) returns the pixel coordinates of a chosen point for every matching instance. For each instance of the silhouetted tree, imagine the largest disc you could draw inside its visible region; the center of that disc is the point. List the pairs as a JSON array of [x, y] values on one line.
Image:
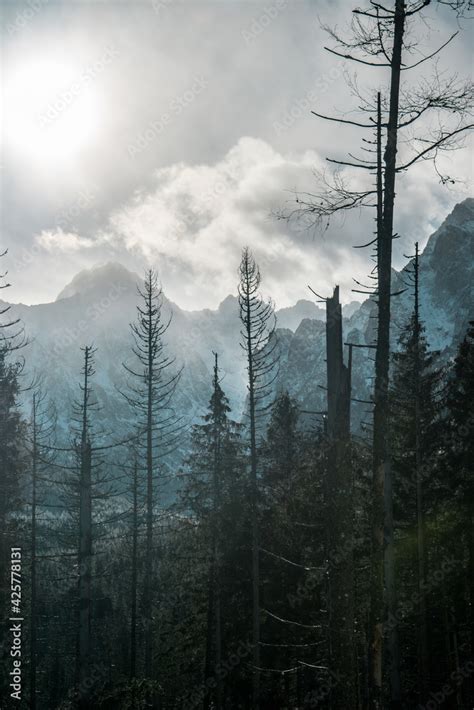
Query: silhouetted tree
[[415, 404], [379, 38], [339, 510], [259, 344], [153, 382], [84, 449]]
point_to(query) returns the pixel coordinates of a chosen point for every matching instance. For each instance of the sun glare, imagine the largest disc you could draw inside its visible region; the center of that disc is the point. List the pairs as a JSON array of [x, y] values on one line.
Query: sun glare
[[51, 112]]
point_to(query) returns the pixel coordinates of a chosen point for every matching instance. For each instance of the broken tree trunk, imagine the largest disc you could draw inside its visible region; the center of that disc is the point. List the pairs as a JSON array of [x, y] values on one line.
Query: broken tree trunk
[[340, 513]]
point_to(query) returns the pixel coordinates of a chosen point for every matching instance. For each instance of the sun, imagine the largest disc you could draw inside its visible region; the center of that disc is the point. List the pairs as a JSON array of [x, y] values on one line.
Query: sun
[[52, 112]]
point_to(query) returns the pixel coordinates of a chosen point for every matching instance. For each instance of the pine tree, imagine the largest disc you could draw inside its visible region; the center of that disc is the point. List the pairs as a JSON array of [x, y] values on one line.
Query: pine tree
[[42, 427], [281, 455], [415, 400], [213, 493], [459, 458], [84, 646], [150, 392], [259, 345]]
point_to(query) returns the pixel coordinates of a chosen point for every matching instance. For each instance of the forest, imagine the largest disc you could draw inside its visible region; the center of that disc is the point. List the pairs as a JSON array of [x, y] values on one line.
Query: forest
[[285, 561]]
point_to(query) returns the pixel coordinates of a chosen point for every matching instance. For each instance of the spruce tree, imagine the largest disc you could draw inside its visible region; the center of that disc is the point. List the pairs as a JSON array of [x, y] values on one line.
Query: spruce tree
[[415, 422], [459, 468], [151, 387], [213, 494]]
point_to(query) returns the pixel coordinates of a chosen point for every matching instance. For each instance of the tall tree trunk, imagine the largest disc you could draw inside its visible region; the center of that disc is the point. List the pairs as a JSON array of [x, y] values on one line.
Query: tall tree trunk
[[216, 551], [423, 656], [340, 514], [470, 542], [133, 616], [33, 635], [85, 572], [209, 632], [85, 543], [254, 519], [148, 615], [382, 540]]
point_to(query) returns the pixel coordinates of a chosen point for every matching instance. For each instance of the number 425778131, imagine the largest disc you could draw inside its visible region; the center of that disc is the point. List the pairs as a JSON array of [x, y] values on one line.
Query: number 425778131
[[15, 579]]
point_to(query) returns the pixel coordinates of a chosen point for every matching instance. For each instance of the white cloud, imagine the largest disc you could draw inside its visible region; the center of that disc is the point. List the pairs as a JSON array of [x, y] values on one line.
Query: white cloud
[[58, 240], [194, 220]]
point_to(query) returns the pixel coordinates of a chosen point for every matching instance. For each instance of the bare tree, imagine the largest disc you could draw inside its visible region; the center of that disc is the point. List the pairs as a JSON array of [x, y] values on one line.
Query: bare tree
[[153, 382], [134, 580], [339, 510], [84, 449], [382, 37], [42, 428], [259, 343], [420, 518]]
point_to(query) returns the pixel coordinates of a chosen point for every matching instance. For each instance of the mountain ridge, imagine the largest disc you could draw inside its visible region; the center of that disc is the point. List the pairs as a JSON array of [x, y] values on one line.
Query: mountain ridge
[[98, 305]]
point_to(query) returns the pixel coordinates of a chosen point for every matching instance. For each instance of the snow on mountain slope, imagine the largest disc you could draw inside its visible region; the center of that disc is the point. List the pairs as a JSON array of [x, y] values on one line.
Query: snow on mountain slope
[[98, 305]]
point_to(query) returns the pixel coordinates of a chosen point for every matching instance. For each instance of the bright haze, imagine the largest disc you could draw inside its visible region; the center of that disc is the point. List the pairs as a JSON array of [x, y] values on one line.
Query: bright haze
[[171, 134]]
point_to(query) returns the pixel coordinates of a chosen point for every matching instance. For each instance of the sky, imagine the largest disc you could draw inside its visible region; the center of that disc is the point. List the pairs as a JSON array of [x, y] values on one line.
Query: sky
[[171, 134]]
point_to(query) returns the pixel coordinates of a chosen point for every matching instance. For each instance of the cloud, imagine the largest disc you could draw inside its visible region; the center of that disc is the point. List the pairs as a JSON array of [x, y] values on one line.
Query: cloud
[[265, 86], [193, 221], [58, 240], [196, 219]]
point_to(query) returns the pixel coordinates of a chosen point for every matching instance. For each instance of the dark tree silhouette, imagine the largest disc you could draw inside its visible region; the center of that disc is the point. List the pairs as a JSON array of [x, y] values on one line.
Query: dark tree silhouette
[[42, 428], [380, 38], [339, 511], [259, 344], [84, 451], [153, 382]]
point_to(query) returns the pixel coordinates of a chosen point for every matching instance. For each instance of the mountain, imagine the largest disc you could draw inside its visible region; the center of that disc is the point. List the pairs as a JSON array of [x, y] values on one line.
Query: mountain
[[98, 305], [98, 281], [446, 306], [291, 317]]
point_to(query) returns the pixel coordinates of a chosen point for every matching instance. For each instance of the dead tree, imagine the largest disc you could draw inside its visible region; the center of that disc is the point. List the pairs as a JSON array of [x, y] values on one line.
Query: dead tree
[[339, 511], [259, 345], [380, 38], [133, 601], [84, 650], [42, 427], [33, 629], [423, 657], [150, 391]]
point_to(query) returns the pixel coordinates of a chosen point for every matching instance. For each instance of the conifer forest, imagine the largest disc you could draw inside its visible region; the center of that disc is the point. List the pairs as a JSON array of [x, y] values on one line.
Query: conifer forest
[[255, 501]]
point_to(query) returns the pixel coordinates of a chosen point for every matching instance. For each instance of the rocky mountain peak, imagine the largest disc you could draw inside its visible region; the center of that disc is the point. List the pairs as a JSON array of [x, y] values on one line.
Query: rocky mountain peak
[[100, 279]]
